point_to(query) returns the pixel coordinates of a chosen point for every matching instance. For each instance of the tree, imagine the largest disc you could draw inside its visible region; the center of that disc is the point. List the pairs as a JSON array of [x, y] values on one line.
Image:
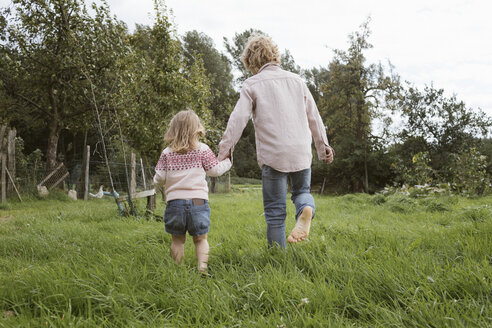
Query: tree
[[443, 125], [288, 63], [315, 79], [235, 48], [50, 49], [349, 102], [199, 46], [157, 83]]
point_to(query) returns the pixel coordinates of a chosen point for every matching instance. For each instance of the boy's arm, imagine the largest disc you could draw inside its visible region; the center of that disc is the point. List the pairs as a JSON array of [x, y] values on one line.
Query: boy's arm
[[236, 124], [212, 166], [160, 171], [316, 126]]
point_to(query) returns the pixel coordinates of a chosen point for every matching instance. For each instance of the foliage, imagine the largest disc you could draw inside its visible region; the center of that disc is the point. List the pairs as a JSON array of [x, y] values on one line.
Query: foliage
[[349, 101], [442, 126], [157, 83], [51, 51], [245, 161], [288, 63], [315, 79], [469, 172], [199, 46], [419, 173], [28, 167], [235, 48], [446, 122]]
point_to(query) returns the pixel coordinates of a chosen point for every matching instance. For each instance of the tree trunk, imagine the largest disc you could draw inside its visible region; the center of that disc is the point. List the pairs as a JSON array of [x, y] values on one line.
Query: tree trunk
[[366, 180], [11, 158], [54, 134], [51, 151], [212, 184]]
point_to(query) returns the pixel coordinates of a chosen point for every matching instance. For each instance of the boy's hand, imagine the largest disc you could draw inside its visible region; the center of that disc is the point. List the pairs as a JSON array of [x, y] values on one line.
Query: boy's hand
[[330, 154], [229, 156]]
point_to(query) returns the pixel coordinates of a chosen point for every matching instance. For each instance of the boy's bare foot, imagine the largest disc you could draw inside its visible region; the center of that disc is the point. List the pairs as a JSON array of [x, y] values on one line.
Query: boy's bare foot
[[301, 229]]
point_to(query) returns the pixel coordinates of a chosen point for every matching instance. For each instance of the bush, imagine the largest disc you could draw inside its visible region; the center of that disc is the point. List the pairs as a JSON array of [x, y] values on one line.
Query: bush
[[400, 203], [437, 205], [476, 214], [378, 199], [469, 172]]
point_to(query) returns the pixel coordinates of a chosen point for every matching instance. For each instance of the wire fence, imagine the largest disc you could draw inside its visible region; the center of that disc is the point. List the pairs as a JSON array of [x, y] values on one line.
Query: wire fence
[[28, 175]]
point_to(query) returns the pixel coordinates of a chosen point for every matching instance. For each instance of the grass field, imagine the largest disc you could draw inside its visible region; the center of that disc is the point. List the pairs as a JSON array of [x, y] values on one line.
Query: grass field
[[370, 261]]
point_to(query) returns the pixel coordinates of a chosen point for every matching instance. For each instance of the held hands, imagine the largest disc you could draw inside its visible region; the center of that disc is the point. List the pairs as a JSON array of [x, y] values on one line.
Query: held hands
[[222, 157], [330, 153]]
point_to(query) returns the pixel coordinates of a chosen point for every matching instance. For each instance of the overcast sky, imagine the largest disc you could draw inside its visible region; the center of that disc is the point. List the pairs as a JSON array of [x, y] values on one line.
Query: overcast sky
[[447, 42]]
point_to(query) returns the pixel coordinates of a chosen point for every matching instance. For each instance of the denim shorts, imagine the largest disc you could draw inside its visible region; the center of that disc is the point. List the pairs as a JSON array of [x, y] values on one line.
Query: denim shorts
[[182, 216]]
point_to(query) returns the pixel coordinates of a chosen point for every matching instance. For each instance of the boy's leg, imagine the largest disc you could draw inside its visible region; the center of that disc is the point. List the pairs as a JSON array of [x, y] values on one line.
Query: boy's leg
[[304, 203], [177, 248], [201, 246], [274, 186]]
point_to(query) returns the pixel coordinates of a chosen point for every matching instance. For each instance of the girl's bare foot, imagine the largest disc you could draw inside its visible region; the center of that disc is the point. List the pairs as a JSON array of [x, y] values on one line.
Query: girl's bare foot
[[301, 229]]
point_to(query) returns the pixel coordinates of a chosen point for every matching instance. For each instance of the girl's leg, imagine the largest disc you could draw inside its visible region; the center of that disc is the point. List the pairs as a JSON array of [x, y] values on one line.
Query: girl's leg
[[274, 185], [177, 248], [201, 246], [304, 203]]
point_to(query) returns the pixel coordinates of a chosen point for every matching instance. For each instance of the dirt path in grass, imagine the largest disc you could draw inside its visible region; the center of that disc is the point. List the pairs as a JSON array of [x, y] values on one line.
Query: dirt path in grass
[[4, 219]]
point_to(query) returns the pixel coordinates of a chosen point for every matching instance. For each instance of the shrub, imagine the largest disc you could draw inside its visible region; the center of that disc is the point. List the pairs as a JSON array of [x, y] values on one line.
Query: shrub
[[436, 205], [400, 203], [469, 172], [476, 214], [378, 199]]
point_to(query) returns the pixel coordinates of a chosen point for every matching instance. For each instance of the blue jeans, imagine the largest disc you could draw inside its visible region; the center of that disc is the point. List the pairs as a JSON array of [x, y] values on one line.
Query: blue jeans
[[274, 186], [181, 216]]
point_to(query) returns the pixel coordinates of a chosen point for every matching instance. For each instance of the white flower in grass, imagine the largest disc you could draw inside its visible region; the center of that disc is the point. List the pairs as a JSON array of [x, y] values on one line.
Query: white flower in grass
[[429, 279], [303, 301]]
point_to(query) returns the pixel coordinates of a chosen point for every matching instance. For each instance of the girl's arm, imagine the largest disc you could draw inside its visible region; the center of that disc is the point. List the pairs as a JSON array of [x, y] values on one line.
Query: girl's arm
[[160, 171], [212, 166]]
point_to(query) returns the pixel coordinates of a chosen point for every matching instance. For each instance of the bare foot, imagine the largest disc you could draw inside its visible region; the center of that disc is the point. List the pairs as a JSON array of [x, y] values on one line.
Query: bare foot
[[301, 230]]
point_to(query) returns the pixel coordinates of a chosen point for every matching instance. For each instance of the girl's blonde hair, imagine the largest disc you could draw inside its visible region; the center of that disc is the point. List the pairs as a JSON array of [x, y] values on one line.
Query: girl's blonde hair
[[184, 132], [258, 51]]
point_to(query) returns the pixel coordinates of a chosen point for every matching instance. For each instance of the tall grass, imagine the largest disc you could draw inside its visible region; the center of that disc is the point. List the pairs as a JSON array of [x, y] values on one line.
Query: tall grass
[[370, 261]]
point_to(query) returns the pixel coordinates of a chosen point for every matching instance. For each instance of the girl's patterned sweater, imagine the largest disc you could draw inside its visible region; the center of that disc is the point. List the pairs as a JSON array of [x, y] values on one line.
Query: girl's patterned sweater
[[183, 175]]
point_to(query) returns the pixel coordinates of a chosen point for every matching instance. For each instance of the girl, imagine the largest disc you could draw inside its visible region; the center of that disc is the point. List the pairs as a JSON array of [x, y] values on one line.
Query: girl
[[181, 169]]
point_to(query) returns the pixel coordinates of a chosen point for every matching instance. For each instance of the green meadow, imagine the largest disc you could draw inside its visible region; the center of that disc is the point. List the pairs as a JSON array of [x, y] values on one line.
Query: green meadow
[[370, 261]]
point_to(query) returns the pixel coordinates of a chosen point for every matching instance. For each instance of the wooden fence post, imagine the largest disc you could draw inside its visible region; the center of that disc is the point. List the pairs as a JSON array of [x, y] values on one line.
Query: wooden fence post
[[212, 184], [11, 159], [143, 174], [322, 190], [86, 177], [133, 177], [3, 159], [2, 134], [4, 184]]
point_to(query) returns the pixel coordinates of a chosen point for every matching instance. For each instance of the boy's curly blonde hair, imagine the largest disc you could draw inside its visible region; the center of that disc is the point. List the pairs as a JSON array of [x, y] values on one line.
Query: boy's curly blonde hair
[[184, 132], [258, 51]]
